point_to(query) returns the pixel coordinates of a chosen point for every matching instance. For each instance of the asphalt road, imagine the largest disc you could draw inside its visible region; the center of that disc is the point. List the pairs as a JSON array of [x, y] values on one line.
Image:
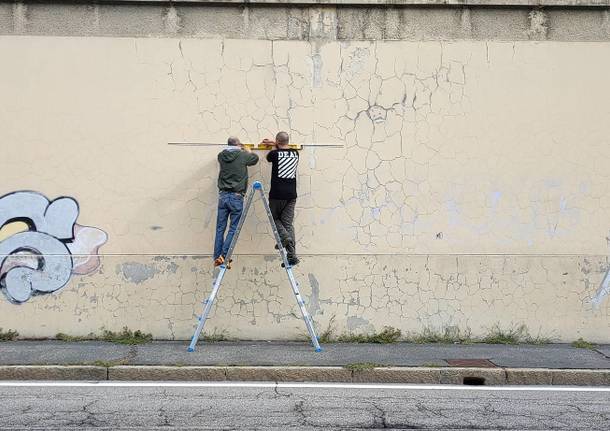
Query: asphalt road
[[170, 406]]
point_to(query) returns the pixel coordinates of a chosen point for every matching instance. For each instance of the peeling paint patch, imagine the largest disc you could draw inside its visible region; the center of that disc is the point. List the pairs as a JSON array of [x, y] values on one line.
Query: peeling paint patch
[[316, 60], [136, 272], [172, 21], [538, 24], [356, 322], [161, 258], [314, 301]]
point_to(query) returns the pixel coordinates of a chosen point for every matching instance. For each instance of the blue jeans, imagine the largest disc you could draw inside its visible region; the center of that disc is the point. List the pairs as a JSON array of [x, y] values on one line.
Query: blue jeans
[[229, 204]]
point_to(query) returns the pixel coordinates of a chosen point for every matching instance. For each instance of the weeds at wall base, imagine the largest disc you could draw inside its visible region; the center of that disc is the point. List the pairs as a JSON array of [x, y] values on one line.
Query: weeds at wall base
[[215, 337], [327, 335], [126, 336], [515, 335], [387, 335], [9, 335], [449, 335], [73, 338], [583, 344]]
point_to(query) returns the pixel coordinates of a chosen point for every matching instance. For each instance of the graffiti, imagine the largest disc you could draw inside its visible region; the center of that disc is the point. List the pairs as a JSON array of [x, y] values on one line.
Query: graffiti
[[604, 287], [41, 245], [603, 291]]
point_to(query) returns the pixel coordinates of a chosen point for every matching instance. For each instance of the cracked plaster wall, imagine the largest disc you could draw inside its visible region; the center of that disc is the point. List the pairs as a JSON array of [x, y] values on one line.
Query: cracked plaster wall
[[472, 189]]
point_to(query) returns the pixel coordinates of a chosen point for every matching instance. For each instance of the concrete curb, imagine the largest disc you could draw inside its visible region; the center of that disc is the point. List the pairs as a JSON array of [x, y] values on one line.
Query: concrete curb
[[53, 372], [425, 375]]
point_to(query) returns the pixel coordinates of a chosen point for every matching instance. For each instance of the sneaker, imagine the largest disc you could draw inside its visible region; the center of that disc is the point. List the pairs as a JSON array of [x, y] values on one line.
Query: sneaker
[[292, 261]]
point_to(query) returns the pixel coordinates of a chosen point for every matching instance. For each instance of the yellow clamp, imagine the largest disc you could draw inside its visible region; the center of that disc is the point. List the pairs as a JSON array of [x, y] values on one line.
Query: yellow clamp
[[267, 147]]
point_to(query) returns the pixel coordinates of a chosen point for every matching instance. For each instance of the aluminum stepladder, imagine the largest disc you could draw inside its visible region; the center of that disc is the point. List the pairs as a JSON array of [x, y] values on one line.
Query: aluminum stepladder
[[207, 304]]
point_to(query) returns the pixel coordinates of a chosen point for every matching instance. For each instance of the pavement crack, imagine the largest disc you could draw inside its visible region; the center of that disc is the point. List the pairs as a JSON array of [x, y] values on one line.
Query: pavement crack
[[379, 417], [299, 409], [279, 394]]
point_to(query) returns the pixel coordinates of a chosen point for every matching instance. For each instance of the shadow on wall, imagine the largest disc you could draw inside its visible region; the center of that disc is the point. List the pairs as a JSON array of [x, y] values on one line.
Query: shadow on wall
[[41, 245]]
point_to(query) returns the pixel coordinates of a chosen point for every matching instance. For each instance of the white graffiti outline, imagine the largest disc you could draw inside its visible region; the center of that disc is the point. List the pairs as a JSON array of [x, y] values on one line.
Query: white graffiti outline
[[602, 292], [40, 259]]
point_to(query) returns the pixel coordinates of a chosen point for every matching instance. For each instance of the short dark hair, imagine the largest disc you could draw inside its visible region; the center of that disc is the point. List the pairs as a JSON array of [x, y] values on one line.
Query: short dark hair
[[233, 141], [282, 138]]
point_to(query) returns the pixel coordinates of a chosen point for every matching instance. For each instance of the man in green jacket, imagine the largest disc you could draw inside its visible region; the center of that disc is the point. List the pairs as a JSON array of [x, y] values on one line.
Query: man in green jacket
[[232, 185]]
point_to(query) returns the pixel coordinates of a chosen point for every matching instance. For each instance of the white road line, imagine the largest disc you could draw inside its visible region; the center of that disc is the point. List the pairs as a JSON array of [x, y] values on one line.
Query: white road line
[[149, 384]]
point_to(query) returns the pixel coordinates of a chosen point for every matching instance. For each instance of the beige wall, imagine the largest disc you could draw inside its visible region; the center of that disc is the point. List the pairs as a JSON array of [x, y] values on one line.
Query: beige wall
[[472, 189]]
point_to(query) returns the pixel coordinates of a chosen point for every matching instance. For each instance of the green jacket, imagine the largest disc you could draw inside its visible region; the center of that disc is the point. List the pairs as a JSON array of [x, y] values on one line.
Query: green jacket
[[233, 176]]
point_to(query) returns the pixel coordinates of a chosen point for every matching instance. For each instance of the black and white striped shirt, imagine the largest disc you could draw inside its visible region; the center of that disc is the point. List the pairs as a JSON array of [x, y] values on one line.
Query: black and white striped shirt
[[283, 174]]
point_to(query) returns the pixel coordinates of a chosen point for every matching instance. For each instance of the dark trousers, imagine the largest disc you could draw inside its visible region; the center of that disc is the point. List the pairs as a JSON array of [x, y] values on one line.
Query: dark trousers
[[283, 215]]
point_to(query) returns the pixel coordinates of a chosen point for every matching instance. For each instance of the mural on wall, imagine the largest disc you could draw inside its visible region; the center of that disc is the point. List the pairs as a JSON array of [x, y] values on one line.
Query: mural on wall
[[41, 245]]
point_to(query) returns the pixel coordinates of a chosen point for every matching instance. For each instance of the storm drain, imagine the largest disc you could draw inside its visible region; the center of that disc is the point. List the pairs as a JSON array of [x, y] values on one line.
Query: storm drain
[[474, 381]]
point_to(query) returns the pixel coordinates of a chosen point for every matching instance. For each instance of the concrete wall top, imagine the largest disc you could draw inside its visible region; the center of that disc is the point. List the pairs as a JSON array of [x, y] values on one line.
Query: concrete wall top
[[479, 3], [423, 20]]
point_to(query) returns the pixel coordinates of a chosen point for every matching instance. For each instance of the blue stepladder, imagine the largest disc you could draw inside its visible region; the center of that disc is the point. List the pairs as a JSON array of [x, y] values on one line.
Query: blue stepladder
[[257, 187]]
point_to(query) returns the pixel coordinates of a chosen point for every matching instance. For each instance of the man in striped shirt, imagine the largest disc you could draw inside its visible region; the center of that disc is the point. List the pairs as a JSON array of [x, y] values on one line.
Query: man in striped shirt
[[283, 192]]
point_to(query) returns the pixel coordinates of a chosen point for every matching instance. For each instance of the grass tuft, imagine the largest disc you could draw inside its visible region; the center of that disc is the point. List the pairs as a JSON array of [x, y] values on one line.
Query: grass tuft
[[126, 336], [9, 335], [71, 338], [515, 335], [449, 335], [327, 335], [583, 344], [108, 364], [498, 335], [215, 337], [432, 365], [387, 335], [362, 366]]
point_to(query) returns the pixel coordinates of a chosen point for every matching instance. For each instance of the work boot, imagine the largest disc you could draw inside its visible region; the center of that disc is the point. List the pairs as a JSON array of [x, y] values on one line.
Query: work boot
[[292, 261], [221, 260], [285, 244]]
